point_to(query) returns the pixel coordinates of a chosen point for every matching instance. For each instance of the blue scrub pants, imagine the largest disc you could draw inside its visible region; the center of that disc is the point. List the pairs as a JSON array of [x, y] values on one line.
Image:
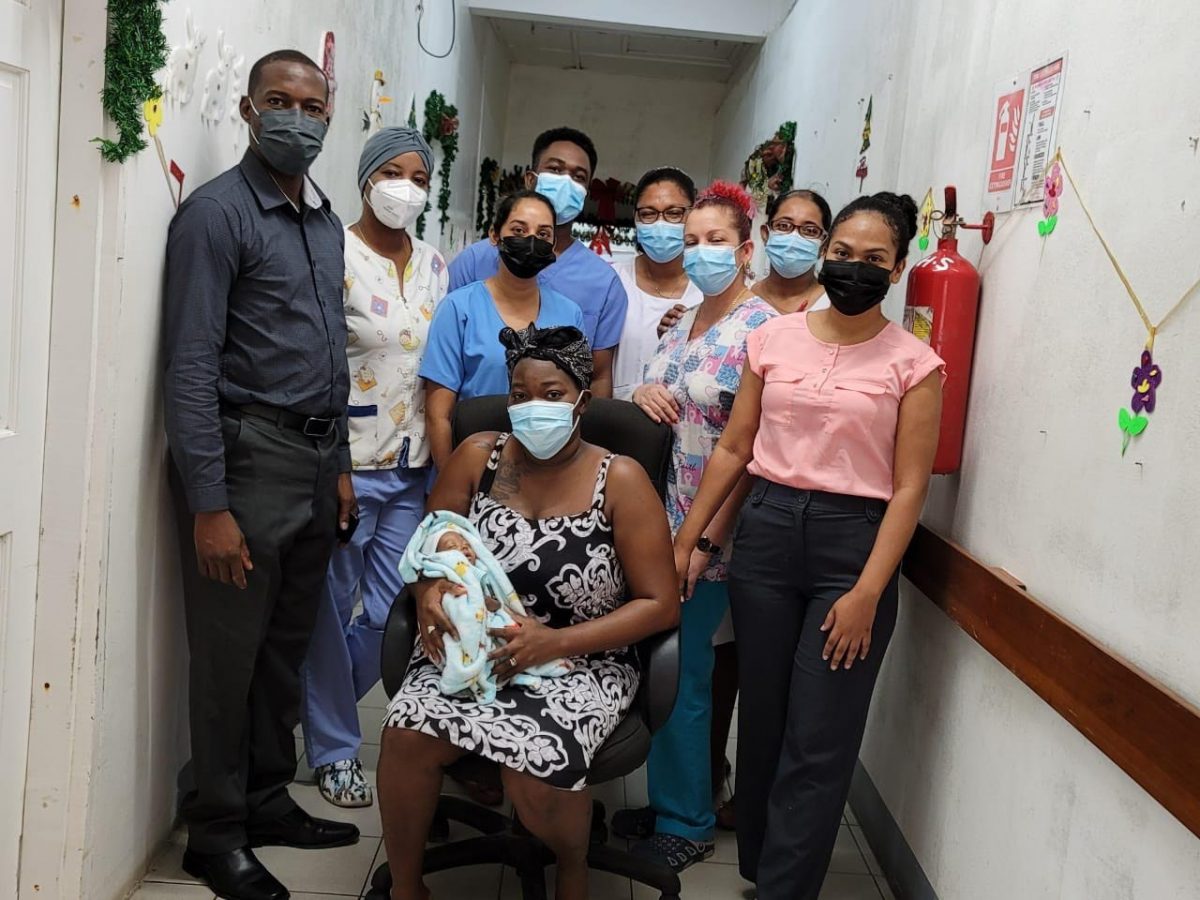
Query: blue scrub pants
[[343, 657], [678, 770]]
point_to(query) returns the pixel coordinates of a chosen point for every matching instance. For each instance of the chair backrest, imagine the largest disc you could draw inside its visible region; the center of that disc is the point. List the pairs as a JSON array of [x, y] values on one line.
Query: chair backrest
[[615, 425]]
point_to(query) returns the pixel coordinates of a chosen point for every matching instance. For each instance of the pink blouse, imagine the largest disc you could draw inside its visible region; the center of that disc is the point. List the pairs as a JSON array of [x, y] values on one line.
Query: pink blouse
[[829, 411]]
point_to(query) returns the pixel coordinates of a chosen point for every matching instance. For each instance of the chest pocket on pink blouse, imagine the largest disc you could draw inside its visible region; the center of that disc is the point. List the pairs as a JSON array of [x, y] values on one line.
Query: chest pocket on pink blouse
[[781, 393], [857, 405]]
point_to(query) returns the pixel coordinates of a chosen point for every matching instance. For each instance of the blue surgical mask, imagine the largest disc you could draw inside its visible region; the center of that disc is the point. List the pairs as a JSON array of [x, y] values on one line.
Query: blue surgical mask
[[661, 241], [543, 426], [564, 193], [792, 255], [711, 268]]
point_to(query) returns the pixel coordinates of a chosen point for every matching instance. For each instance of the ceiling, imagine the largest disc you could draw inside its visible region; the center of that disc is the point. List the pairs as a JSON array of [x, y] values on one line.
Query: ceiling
[[621, 53]]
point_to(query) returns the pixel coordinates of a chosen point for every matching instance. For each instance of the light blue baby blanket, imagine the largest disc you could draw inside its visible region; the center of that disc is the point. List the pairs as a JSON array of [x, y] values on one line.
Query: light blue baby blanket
[[467, 669]]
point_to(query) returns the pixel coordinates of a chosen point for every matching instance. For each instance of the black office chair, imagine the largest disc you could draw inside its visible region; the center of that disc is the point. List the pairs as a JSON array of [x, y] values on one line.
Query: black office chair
[[622, 428]]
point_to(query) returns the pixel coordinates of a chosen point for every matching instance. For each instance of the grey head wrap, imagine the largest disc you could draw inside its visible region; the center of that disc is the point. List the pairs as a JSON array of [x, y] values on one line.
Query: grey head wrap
[[389, 143], [565, 346]]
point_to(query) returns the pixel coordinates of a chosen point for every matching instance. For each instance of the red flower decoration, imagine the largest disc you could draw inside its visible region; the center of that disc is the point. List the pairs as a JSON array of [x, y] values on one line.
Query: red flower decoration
[[449, 125], [1054, 189]]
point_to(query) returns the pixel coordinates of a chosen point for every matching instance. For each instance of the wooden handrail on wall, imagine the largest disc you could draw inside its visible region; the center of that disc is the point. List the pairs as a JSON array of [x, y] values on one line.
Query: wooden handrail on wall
[[1139, 724]]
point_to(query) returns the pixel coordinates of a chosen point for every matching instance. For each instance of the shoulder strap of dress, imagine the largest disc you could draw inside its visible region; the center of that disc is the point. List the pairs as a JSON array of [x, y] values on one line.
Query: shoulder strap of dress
[[602, 482], [489, 472]]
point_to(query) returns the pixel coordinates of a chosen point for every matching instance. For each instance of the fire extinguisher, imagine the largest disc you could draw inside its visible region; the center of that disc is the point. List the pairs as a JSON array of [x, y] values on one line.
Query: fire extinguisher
[[941, 308]]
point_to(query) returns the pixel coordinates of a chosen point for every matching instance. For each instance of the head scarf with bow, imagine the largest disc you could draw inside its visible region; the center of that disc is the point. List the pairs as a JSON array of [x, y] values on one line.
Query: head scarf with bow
[[564, 346]]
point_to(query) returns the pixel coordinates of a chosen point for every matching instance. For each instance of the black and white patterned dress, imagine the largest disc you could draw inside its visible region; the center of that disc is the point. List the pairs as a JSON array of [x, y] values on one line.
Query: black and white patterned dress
[[566, 571]]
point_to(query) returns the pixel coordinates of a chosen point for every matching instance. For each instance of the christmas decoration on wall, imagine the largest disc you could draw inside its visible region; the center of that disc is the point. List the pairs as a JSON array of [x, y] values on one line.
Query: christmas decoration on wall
[[1147, 376], [601, 243], [136, 50], [485, 206], [222, 84], [926, 221], [613, 200], [1053, 190], [767, 172], [152, 112], [614, 236], [512, 180], [328, 43], [184, 63], [372, 119], [441, 127], [860, 171]]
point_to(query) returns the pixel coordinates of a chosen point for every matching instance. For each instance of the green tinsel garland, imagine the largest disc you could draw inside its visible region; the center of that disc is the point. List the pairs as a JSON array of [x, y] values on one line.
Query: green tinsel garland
[[441, 127], [136, 50], [485, 208]]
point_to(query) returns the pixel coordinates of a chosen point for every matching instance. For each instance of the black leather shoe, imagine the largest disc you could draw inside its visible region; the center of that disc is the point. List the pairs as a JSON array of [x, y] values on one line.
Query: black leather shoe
[[299, 829], [236, 875]]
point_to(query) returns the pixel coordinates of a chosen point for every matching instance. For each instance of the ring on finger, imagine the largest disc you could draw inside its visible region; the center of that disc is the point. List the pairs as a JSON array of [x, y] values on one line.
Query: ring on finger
[[430, 629]]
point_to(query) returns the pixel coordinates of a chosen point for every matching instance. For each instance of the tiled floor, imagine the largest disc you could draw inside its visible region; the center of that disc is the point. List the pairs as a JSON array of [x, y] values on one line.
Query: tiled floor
[[343, 874]]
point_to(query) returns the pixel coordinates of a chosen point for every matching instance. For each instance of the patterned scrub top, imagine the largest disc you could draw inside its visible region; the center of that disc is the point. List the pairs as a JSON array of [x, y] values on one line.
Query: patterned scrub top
[[702, 375], [388, 321]]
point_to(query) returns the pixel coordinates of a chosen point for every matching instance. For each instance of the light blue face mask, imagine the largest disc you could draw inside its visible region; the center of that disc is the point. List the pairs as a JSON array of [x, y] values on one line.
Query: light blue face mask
[[543, 426], [564, 193], [792, 255], [711, 268], [661, 241]]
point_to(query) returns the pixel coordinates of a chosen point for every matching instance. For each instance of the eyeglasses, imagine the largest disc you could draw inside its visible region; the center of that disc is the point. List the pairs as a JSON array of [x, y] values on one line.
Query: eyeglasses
[[808, 230], [648, 215]]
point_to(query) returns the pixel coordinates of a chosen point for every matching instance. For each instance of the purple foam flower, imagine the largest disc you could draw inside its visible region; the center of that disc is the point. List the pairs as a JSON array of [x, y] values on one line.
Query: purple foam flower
[[1146, 379]]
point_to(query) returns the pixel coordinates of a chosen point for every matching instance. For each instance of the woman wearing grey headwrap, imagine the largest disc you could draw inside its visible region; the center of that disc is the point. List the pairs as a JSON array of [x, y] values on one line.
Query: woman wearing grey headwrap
[[393, 283]]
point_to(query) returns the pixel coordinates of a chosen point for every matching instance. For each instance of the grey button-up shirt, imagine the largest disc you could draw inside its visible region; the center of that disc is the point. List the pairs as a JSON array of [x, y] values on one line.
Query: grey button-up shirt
[[253, 314]]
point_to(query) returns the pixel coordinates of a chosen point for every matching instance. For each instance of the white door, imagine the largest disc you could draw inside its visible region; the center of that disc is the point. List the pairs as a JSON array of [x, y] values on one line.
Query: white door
[[30, 36]]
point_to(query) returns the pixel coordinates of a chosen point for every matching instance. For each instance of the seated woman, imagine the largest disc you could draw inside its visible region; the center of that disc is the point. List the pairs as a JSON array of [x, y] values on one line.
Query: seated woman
[[567, 521], [463, 357]]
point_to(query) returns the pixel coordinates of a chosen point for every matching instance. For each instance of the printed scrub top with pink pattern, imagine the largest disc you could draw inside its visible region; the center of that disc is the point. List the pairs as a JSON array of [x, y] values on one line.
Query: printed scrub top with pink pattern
[[702, 375], [388, 321]]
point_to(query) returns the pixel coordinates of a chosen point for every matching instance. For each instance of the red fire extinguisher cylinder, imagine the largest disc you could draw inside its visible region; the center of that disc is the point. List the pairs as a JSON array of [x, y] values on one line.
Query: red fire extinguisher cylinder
[[941, 308]]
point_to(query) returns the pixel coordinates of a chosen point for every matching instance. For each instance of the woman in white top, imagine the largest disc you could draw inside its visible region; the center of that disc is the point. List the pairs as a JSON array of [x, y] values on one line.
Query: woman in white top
[[795, 231], [653, 279], [393, 284]]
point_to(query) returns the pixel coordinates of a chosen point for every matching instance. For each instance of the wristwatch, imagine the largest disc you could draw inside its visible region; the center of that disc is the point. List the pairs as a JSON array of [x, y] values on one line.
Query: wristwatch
[[704, 545]]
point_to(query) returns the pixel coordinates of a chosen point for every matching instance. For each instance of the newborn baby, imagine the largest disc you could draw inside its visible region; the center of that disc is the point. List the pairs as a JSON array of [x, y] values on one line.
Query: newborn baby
[[447, 546]]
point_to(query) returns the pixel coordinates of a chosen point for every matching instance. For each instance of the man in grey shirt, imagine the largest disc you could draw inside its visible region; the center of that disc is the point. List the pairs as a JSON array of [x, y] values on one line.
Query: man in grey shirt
[[255, 393]]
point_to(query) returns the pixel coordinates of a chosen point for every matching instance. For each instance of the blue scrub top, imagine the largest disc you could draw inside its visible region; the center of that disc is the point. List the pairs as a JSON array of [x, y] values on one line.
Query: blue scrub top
[[578, 273], [463, 350]]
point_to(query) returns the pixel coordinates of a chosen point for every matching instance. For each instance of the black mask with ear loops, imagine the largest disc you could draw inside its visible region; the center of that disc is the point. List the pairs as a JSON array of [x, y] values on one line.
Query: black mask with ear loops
[[854, 287], [526, 256]]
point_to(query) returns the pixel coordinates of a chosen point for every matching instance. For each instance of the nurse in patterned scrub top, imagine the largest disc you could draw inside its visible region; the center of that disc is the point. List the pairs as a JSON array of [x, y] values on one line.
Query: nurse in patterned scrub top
[[573, 526], [394, 281], [690, 383]]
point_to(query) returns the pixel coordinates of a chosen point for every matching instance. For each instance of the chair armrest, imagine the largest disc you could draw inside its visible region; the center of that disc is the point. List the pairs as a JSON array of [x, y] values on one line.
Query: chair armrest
[[659, 655], [398, 636]]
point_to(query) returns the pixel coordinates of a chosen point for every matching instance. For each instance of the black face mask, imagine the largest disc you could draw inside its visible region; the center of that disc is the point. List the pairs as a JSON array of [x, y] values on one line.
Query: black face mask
[[854, 287], [526, 256]]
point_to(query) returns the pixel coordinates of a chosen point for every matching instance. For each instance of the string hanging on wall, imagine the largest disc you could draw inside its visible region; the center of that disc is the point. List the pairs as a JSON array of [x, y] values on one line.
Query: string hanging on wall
[[1147, 375], [136, 50]]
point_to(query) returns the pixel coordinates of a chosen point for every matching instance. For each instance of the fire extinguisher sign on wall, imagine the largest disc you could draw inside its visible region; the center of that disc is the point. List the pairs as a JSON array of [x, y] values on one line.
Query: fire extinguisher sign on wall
[[1008, 114]]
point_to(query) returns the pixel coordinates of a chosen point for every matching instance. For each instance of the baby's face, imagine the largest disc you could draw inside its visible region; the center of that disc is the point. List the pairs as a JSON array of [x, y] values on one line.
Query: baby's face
[[452, 540]]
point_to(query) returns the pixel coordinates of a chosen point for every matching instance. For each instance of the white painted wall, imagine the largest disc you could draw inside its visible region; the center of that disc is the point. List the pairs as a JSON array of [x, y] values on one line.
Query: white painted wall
[[636, 123], [135, 697], [749, 20], [998, 796]]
